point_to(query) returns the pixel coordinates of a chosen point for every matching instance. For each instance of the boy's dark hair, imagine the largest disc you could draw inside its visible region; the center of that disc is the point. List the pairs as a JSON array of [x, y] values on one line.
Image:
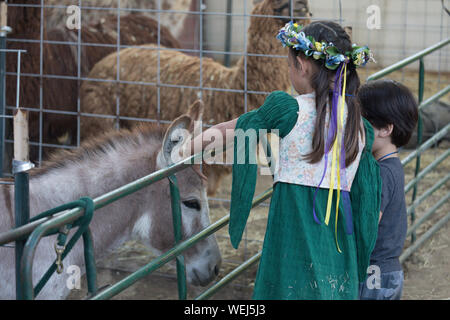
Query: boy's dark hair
[[385, 102]]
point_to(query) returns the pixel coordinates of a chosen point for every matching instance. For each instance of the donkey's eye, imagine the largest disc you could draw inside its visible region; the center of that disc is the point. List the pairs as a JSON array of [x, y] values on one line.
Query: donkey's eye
[[193, 204]]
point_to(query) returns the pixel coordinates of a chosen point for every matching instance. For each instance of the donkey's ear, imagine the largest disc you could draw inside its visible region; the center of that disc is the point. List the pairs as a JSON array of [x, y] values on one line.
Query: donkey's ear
[[195, 110], [175, 136]]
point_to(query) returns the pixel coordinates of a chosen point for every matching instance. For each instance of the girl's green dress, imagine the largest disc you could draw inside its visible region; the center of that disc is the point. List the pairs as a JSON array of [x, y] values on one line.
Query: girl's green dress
[[299, 258]]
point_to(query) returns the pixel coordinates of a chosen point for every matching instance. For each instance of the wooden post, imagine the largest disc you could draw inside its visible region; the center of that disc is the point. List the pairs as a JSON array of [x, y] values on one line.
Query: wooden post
[[21, 135], [3, 14]]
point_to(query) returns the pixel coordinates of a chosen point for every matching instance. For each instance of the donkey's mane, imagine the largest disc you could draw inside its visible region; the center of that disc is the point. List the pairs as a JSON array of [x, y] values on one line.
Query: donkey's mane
[[101, 145]]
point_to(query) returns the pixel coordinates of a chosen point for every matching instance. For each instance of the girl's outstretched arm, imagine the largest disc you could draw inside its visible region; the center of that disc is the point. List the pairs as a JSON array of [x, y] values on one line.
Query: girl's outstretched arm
[[198, 144]]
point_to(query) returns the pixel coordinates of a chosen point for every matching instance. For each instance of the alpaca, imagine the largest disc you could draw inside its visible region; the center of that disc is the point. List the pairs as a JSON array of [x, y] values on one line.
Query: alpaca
[[56, 17], [264, 74], [61, 60], [101, 165]]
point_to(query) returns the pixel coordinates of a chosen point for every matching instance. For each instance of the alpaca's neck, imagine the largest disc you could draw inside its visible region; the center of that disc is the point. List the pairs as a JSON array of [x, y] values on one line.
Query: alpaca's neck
[[264, 74], [25, 21]]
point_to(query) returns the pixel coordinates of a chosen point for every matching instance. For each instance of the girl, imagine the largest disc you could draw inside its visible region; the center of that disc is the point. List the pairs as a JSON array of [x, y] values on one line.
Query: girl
[[323, 214]]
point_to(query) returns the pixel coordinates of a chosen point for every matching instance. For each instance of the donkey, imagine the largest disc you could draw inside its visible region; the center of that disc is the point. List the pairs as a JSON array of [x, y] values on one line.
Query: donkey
[[103, 164]]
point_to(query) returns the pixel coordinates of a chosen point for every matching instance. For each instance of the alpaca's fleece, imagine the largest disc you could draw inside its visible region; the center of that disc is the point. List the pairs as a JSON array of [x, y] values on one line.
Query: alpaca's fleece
[[56, 17], [264, 74], [62, 60]]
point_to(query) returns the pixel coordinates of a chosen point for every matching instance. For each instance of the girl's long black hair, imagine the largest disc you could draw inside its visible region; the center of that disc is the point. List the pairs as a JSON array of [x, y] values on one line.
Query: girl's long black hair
[[322, 83]]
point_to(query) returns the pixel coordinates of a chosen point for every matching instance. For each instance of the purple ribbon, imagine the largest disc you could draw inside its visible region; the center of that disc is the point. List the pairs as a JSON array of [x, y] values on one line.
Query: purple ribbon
[[332, 129]]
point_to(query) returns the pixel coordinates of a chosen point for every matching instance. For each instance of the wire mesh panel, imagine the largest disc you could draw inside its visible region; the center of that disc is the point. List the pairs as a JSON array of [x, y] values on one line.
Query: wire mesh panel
[[97, 65]]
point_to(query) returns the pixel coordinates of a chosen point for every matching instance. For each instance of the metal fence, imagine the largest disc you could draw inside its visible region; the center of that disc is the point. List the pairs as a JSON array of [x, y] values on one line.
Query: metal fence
[[200, 47], [203, 50]]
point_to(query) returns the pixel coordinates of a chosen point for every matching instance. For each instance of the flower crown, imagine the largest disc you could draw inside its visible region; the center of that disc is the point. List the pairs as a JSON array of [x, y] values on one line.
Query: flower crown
[[292, 36]]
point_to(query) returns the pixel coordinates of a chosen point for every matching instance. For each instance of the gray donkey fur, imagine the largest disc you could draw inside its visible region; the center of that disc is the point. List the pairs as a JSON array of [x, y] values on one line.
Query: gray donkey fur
[[99, 166]]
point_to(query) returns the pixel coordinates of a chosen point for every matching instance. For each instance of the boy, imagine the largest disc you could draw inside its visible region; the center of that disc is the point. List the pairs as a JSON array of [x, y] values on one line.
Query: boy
[[393, 112]]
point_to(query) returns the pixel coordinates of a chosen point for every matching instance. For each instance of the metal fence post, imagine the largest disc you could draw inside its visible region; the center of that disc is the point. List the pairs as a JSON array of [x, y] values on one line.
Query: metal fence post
[[228, 35], [21, 216], [2, 97], [4, 30], [419, 140], [176, 216]]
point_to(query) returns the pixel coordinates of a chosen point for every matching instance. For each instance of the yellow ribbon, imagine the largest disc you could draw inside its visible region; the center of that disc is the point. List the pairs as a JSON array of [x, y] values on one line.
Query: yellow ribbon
[[335, 162], [330, 191]]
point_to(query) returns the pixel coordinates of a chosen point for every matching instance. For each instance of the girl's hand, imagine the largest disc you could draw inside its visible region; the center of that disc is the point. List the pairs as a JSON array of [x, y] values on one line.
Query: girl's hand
[[197, 144], [186, 150]]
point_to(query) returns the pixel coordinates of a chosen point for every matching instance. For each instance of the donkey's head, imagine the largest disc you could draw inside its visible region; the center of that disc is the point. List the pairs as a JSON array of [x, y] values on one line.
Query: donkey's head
[[203, 259]]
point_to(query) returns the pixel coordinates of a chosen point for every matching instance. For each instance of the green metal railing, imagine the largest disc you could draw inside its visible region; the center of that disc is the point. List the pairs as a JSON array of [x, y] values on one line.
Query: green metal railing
[[25, 288], [407, 61], [46, 225]]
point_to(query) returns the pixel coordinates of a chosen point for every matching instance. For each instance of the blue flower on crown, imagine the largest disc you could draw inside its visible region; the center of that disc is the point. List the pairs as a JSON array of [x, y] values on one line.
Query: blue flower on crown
[[332, 62], [303, 43]]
